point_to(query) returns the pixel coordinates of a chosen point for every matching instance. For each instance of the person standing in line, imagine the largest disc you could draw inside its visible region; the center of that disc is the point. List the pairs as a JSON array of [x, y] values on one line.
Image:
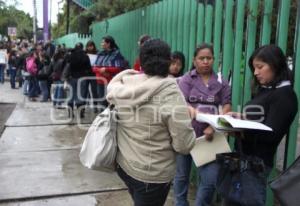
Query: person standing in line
[[153, 124], [137, 63], [109, 62], [80, 67], [204, 92], [177, 64], [274, 103], [91, 51], [12, 65]]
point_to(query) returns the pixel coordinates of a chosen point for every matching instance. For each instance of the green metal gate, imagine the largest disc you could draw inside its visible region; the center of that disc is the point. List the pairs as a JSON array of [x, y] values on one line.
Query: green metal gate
[[234, 27]]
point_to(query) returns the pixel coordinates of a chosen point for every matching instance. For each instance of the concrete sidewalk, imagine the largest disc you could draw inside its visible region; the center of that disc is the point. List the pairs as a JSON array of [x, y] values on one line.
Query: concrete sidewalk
[[39, 161]]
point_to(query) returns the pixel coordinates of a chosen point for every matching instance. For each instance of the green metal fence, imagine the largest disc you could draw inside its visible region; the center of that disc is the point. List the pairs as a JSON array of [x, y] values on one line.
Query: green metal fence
[[71, 39], [231, 26]]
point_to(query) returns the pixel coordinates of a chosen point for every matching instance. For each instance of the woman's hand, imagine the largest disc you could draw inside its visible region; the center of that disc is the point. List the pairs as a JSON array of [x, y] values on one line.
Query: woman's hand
[[235, 115], [209, 133], [192, 111]]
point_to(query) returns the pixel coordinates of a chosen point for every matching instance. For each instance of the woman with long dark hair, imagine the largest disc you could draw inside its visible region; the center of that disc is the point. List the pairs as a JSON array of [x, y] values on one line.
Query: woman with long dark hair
[[274, 103]]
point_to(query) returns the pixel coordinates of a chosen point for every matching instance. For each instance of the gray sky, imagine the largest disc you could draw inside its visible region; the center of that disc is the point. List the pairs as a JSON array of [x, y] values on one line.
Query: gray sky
[[27, 7]]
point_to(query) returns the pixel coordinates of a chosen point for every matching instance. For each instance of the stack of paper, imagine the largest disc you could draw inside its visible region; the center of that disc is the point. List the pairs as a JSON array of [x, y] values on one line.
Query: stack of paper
[[205, 151]]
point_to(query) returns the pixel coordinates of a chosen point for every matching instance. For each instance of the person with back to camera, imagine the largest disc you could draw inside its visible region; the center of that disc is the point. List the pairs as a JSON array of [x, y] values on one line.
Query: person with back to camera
[[204, 91], [153, 124], [274, 103]]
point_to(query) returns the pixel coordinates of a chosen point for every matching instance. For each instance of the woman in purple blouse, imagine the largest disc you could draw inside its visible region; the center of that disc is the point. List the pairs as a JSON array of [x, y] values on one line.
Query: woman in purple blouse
[[205, 92]]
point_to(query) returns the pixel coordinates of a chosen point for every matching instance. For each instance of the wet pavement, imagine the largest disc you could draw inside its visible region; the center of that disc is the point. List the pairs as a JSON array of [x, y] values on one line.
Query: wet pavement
[[39, 161]]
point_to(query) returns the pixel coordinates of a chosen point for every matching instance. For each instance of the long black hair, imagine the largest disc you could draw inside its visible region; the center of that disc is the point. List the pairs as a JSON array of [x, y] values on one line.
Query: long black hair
[[111, 41], [275, 58]]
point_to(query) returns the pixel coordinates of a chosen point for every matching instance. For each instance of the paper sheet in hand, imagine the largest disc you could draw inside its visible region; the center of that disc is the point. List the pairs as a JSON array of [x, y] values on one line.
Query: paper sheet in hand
[[228, 123], [93, 58], [205, 151]]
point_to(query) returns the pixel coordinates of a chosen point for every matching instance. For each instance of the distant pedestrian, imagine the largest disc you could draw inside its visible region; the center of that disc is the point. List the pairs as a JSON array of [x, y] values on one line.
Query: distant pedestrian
[[109, 62], [137, 63], [177, 64]]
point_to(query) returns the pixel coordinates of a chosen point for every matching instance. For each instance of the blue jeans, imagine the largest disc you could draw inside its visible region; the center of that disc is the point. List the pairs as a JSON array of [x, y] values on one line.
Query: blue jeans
[[44, 90], [145, 194], [13, 74], [58, 93], [77, 94], [33, 87], [2, 67], [206, 188], [101, 90]]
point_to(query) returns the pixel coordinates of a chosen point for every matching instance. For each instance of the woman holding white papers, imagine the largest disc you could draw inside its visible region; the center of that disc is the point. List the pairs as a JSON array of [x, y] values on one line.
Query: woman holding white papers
[[204, 91], [274, 104]]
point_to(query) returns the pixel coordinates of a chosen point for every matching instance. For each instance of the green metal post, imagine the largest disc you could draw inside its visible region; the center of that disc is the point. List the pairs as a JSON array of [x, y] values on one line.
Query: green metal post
[[186, 27], [250, 46], [169, 25], [267, 23], [283, 24], [192, 42], [217, 33], [238, 45], [200, 24], [164, 20], [228, 39], [208, 23], [175, 6], [180, 20], [292, 140]]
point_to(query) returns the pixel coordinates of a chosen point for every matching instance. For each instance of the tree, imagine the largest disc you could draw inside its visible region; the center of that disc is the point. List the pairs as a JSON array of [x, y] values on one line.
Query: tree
[[80, 19], [12, 17]]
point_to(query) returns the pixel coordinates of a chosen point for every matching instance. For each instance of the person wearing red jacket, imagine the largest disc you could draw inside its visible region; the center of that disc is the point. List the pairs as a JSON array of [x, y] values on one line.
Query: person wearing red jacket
[[137, 63], [109, 62]]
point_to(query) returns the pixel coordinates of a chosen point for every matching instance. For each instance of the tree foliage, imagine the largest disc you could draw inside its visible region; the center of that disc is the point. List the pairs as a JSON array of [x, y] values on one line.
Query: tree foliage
[[12, 17], [80, 19]]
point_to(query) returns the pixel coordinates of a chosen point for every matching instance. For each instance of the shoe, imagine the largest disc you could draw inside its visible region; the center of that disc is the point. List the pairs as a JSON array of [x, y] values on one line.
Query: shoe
[[32, 99]]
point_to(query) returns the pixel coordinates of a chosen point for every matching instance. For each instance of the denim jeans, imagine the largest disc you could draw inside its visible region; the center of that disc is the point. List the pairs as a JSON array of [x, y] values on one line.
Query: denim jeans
[[13, 74], [58, 93], [207, 184], [77, 93], [101, 91], [145, 194], [25, 87], [33, 87], [2, 67], [44, 90]]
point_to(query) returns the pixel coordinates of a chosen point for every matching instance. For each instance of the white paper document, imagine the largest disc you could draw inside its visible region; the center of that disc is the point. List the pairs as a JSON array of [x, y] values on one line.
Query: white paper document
[[205, 151], [228, 123], [93, 58]]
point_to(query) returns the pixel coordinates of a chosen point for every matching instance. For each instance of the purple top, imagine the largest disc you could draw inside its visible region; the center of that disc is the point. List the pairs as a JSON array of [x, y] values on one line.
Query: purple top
[[206, 98]]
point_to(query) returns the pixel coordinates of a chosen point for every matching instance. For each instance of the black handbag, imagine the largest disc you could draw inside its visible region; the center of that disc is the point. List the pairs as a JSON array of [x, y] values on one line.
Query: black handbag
[[239, 176], [286, 186]]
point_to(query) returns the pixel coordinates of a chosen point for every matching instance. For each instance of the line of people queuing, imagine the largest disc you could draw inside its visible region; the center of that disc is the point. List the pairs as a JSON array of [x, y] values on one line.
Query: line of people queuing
[[162, 103], [157, 127]]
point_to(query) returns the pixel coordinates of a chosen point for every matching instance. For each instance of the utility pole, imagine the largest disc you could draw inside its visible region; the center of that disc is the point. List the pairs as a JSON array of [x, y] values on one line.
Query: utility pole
[[45, 19], [34, 21], [68, 16]]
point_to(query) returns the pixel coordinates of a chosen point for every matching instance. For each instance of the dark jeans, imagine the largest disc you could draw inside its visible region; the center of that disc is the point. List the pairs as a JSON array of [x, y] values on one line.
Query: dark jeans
[[2, 67], [145, 194], [13, 73]]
